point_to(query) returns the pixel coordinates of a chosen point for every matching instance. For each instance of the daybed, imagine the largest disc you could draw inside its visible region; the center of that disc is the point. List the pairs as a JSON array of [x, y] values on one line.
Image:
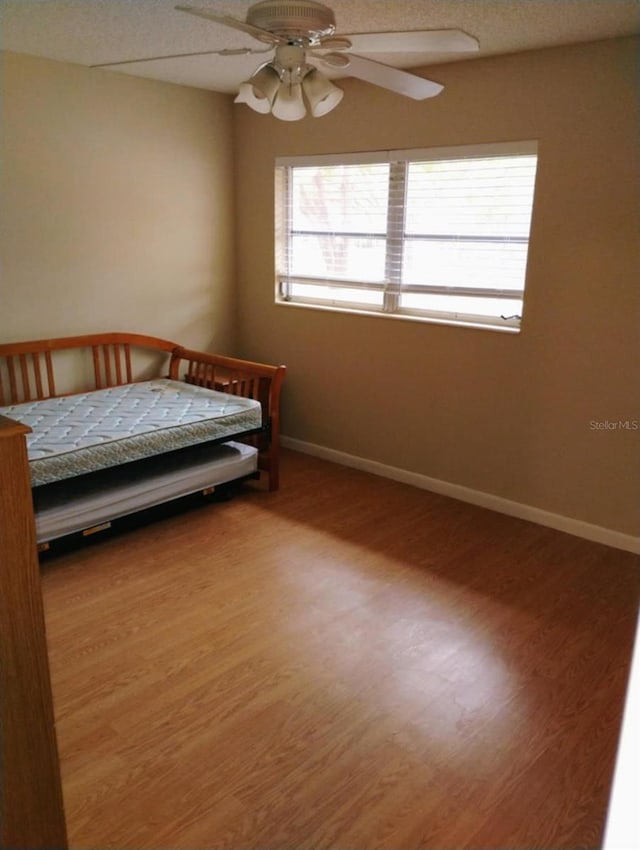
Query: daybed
[[120, 422]]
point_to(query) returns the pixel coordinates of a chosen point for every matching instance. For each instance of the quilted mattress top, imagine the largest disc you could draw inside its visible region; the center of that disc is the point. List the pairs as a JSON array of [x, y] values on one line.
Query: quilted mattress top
[[76, 434]]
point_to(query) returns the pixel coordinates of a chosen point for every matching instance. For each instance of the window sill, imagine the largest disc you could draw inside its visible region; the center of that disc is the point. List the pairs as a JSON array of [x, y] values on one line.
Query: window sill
[[405, 317]]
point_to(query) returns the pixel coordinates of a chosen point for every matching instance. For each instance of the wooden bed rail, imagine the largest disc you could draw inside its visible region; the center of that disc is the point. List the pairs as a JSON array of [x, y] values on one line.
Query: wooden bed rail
[[258, 381]]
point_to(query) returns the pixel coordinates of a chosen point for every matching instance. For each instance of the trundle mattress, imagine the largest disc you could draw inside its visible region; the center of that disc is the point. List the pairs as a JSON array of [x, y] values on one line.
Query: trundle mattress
[[77, 434], [79, 503]]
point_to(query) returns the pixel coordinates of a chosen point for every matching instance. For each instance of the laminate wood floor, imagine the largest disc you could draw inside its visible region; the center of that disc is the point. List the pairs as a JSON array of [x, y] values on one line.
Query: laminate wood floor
[[349, 663]]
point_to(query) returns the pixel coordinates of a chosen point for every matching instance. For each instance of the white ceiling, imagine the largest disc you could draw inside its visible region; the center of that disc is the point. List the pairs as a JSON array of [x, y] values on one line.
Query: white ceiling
[[90, 32]]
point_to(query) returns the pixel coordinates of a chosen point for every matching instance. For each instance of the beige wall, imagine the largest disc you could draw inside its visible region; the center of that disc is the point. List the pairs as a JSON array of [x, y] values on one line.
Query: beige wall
[[117, 206], [505, 414]]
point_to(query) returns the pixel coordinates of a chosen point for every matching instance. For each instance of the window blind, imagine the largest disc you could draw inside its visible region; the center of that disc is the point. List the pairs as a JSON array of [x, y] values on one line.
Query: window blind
[[441, 236]]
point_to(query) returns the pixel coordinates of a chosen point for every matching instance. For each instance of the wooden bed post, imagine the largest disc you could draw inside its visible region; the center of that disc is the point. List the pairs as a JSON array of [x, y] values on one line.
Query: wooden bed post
[[31, 807]]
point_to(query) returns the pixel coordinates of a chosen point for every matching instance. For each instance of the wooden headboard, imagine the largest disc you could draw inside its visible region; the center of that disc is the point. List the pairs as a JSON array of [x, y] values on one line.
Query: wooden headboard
[[33, 370]]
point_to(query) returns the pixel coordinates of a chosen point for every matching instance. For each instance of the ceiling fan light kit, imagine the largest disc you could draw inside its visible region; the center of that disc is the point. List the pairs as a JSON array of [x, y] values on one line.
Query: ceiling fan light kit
[[322, 95], [278, 86], [288, 104], [252, 97], [264, 84]]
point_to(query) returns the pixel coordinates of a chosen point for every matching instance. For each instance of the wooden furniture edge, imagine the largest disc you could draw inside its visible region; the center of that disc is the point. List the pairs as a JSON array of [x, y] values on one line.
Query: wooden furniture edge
[[8, 349], [11, 428], [32, 815]]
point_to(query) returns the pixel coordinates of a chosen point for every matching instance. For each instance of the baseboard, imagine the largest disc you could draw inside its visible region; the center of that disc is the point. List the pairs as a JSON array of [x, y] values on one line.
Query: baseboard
[[577, 527]]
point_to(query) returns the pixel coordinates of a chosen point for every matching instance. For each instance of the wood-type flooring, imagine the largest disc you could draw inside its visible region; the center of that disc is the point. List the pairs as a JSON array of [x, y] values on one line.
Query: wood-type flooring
[[346, 664]]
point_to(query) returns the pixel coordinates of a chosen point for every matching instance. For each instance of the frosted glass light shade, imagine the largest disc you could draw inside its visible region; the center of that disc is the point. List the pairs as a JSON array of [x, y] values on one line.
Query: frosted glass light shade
[[289, 105], [322, 95], [247, 94], [266, 82]]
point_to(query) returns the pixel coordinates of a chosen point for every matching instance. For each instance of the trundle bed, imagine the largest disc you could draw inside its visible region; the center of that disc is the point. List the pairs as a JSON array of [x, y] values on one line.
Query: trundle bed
[[122, 422]]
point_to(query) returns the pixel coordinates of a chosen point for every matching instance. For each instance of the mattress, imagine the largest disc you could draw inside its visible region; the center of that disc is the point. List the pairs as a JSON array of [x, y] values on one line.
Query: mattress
[[80, 503], [76, 434]]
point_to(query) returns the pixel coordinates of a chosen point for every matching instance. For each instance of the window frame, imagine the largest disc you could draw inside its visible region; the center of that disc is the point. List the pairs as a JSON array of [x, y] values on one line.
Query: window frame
[[396, 238]]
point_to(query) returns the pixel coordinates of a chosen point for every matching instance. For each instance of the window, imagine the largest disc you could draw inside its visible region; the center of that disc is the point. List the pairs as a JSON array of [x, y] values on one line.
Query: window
[[432, 234]]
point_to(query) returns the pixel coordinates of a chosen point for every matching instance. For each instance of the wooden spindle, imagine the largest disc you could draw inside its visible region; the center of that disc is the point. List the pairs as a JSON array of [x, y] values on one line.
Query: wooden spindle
[[13, 384], [24, 371], [107, 365], [96, 366], [117, 357], [50, 379], [35, 357], [127, 356]]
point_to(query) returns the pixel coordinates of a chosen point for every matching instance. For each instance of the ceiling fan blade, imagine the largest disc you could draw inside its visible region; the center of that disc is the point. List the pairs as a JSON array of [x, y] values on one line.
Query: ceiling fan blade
[[227, 21], [418, 41], [333, 42], [333, 60], [390, 78], [226, 51]]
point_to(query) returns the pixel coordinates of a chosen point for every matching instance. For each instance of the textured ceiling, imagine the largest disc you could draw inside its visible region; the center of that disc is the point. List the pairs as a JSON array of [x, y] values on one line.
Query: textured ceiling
[[90, 32]]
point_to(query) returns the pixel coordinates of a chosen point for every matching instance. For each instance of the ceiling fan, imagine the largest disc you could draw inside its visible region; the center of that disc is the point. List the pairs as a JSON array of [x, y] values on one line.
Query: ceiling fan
[[302, 33]]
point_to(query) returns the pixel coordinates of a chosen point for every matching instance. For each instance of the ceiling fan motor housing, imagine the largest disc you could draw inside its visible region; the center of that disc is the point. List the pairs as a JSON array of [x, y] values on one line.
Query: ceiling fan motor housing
[[304, 20]]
